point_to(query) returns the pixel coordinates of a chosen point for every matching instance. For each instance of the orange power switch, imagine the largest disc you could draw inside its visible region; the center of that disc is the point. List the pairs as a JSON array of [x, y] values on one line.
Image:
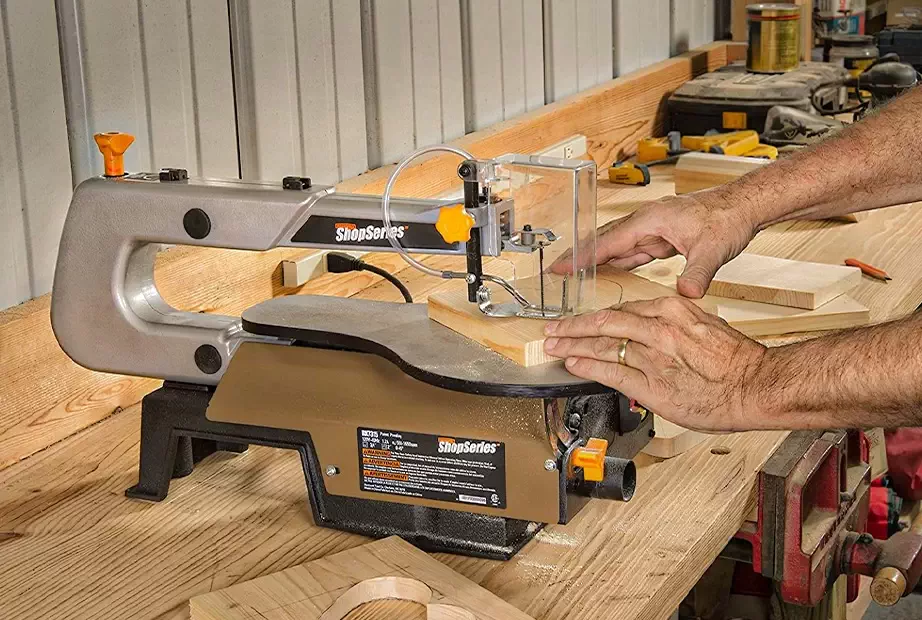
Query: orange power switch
[[454, 224], [591, 458], [113, 145]]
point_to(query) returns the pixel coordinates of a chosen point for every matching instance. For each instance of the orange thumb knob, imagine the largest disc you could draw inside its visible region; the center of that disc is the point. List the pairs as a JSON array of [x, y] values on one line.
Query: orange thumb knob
[[454, 224], [591, 458], [113, 145]]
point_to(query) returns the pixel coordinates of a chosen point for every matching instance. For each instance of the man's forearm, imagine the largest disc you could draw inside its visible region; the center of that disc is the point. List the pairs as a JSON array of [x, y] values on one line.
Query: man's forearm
[[861, 378], [874, 163]]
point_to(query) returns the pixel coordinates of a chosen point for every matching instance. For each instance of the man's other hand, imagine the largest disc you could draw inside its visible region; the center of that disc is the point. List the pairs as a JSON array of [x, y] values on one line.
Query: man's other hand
[[701, 227], [685, 365]]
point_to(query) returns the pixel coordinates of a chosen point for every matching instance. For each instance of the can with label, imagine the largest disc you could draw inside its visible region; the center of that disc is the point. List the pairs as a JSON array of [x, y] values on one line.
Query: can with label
[[774, 37], [855, 52]]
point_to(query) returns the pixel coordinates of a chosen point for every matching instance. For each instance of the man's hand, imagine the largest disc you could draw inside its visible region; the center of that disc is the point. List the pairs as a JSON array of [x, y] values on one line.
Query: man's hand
[[687, 366], [701, 227]]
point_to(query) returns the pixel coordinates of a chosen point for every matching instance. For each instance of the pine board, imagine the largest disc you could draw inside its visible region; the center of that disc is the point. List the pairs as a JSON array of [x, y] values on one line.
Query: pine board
[[522, 340], [783, 282], [308, 590], [698, 171]]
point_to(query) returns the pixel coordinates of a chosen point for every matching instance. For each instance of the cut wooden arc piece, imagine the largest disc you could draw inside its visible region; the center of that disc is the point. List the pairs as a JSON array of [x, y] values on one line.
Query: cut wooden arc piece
[[377, 589], [779, 281], [756, 319], [331, 587]]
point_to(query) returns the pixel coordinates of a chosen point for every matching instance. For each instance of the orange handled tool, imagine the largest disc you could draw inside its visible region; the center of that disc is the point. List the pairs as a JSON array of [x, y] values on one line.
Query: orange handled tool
[[868, 270], [113, 145]]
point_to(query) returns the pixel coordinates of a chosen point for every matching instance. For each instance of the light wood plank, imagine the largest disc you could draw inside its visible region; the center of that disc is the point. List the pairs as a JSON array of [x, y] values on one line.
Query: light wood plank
[[783, 282], [671, 439], [756, 320], [320, 588], [696, 171], [522, 340]]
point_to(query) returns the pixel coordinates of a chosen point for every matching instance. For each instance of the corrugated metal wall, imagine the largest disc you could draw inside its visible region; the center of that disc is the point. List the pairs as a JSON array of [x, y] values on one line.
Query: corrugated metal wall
[[266, 88]]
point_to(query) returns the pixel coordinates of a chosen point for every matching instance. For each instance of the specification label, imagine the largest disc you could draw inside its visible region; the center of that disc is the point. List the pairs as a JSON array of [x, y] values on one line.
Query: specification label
[[450, 469]]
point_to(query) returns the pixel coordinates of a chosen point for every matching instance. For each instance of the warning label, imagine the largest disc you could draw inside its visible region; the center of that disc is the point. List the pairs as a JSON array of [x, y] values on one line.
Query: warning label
[[450, 469]]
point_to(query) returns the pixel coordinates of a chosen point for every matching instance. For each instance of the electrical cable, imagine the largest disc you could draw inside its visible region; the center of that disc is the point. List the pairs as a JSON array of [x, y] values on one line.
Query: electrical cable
[[338, 262]]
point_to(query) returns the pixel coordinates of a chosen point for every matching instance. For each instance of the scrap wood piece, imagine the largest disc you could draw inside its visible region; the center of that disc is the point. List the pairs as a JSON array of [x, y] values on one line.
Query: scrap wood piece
[[697, 171], [331, 587], [783, 282], [671, 439], [756, 319]]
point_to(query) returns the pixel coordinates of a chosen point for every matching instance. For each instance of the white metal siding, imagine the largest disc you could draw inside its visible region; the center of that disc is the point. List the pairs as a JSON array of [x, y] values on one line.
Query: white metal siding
[[35, 180], [298, 72], [504, 59], [158, 69], [692, 24], [641, 33], [578, 45]]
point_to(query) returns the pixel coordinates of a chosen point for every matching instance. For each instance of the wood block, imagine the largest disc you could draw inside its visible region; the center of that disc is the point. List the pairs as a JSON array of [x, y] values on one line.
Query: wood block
[[522, 340], [313, 590], [671, 439], [697, 171], [783, 282], [756, 319]]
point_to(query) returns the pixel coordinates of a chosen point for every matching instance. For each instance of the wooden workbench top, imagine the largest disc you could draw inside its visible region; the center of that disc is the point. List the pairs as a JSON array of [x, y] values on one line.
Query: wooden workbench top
[[72, 545]]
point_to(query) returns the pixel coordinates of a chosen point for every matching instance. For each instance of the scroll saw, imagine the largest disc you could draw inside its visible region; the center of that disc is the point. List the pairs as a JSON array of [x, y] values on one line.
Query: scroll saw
[[403, 426]]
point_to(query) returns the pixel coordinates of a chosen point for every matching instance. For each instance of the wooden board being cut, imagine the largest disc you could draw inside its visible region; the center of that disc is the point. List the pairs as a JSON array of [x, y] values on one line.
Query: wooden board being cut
[[783, 282], [522, 340], [313, 590]]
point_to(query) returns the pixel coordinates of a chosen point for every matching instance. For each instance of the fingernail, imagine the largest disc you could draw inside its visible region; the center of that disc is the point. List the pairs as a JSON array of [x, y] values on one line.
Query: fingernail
[[550, 343], [550, 328], [571, 361]]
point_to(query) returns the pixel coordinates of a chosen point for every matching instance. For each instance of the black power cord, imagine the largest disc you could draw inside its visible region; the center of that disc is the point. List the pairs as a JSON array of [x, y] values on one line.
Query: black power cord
[[338, 262]]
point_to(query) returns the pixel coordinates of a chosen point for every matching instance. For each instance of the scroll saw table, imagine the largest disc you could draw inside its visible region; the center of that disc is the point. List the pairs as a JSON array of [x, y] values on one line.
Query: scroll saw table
[[72, 545]]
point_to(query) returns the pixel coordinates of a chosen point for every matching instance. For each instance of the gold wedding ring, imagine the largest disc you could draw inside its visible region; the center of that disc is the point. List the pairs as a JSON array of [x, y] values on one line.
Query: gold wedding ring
[[622, 350]]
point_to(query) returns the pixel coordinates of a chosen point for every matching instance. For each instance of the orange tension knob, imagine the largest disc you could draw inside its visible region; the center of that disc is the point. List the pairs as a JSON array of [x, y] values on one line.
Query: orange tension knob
[[591, 458], [113, 145], [454, 224]]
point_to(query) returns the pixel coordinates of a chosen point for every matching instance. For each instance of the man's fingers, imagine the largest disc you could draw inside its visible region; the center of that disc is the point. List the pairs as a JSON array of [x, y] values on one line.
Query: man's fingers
[[612, 323], [602, 348], [629, 381], [699, 271], [629, 262]]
